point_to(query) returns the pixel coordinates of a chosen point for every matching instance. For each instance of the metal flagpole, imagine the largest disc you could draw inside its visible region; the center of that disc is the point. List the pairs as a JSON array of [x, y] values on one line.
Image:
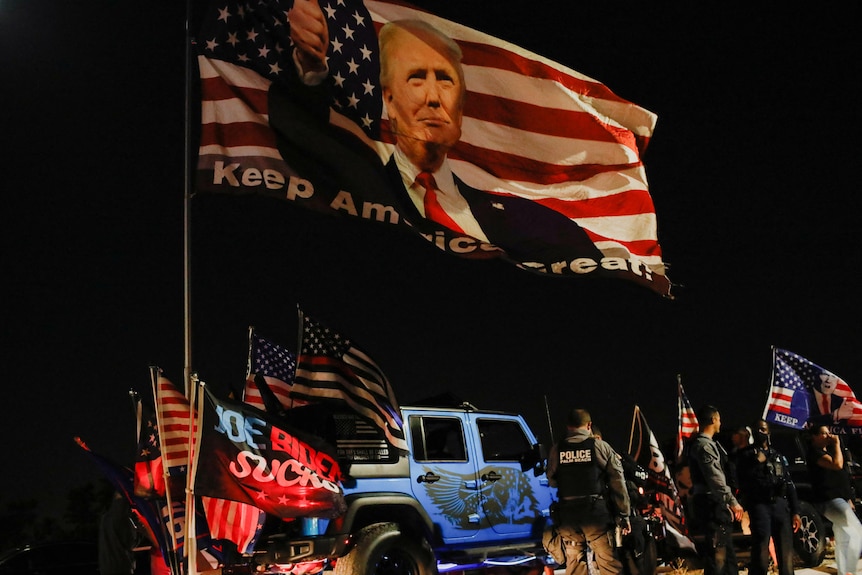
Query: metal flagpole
[[175, 567], [250, 365], [195, 427], [187, 351], [190, 529], [548, 415], [632, 434]]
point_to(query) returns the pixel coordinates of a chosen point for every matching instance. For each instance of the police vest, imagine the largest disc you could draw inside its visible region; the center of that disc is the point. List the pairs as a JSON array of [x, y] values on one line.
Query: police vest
[[766, 480], [578, 473]]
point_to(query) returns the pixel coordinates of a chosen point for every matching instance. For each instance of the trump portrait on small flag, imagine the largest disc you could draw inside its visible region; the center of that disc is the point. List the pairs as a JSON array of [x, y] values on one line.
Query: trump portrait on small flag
[[803, 395]]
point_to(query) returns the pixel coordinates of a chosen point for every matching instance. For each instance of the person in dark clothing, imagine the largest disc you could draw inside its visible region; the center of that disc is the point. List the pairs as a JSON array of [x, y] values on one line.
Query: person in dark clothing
[[117, 537], [769, 495], [740, 439], [714, 506], [833, 495], [633, 544], [591, 488]]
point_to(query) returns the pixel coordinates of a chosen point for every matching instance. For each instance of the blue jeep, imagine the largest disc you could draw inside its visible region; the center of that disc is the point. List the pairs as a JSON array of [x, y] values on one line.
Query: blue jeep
[[470, 492]]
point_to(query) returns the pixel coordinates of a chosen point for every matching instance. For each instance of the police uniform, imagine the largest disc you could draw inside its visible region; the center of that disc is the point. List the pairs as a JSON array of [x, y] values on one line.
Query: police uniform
[[771, 501], [711, 501], [592, 495]]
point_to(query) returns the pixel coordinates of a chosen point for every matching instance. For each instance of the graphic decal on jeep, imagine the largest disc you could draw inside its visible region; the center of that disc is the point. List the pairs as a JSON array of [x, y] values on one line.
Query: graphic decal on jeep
[[510, 499]]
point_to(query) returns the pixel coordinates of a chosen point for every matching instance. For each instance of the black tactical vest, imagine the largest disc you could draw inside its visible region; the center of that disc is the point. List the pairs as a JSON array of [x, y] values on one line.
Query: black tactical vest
[[578, 473]]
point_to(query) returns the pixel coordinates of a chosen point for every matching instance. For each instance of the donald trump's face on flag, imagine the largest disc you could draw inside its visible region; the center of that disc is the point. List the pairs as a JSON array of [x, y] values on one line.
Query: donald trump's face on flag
[[423, 90], [828, 383]]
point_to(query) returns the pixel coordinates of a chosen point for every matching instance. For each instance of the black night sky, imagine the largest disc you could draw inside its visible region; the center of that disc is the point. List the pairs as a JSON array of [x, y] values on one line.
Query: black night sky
[[752, 169]]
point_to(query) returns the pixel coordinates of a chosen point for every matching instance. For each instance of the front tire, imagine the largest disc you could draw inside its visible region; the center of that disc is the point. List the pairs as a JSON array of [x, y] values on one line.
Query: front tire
[[382, 549], [810, 541]]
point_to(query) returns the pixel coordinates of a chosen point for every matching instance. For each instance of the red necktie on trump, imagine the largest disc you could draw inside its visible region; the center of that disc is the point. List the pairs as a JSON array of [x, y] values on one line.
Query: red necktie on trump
[[433, 210]]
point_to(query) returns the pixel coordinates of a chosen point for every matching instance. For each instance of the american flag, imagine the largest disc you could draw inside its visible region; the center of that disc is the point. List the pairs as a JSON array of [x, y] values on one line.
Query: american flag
[[532, 127], [237, 522], [791, 393], [276, 365], [149, 476], [174, 422], [687, 420], [331, 368]]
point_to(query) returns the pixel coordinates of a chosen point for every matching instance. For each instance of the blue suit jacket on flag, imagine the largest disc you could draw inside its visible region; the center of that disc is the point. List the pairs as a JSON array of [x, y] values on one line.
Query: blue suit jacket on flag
[[333, 161]]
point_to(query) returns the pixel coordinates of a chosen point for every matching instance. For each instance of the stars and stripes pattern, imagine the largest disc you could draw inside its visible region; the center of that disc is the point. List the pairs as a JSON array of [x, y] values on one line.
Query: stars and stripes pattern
[[174, 424], [149, 473], [532, 127], [791, 400], [331, 368], [237, 522], [790, 373], [277, 366], [229, 519], [688, 424]]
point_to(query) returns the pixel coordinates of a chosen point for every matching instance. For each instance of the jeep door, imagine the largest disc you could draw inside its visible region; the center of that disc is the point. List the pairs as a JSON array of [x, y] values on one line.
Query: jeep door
[[444, 474], [512, 500]]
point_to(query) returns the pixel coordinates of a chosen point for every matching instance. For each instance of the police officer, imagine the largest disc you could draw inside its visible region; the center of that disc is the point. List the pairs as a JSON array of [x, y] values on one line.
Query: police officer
[[770, 498], [592, 496], [714, 508]]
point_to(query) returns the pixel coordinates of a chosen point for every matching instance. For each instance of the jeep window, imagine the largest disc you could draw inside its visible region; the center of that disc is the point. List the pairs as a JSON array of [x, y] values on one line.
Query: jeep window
[[437, 439], [502, 440]]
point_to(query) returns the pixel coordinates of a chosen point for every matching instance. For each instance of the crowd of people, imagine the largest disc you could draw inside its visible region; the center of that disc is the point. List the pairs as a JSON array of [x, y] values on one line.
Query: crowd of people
[[594, 504]]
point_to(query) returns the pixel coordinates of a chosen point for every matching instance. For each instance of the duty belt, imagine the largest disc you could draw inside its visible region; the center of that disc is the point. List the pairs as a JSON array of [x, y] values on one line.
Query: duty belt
[[581, 497]]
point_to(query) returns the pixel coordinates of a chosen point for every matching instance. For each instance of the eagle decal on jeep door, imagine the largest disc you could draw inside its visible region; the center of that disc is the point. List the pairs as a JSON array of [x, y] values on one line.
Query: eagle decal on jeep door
[[510, 499]]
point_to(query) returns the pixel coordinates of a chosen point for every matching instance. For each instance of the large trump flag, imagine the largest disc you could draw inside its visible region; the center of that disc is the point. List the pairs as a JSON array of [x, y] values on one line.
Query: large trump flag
[[535, 134]]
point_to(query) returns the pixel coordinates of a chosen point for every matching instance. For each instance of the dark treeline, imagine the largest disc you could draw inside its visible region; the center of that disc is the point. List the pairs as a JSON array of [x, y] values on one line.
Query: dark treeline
[[22, 522]]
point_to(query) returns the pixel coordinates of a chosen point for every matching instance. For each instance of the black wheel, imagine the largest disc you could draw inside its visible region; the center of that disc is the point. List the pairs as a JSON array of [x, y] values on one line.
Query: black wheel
[[810, 541], [382, 549]]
